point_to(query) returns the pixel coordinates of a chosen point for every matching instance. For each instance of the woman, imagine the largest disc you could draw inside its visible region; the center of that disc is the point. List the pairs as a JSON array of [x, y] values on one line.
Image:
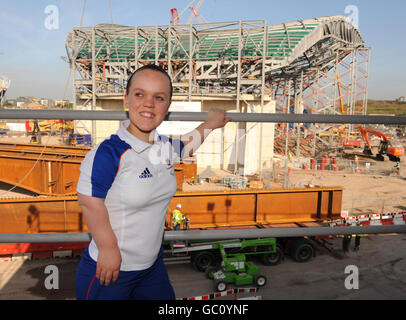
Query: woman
[[124, 189]]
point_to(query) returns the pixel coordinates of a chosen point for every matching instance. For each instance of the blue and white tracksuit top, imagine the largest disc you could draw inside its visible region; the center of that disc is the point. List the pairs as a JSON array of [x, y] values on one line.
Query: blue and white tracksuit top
[[137, 181]]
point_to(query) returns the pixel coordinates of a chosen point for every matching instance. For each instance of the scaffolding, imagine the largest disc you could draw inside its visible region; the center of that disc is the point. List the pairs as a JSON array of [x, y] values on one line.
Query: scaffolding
[[315, 66], [4, 85]]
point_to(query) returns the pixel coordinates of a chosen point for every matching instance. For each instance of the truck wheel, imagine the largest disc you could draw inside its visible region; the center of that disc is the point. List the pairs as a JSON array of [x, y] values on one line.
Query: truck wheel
[[301, 250], [202, 260], [220, 285], [260, 281], [272, 259]]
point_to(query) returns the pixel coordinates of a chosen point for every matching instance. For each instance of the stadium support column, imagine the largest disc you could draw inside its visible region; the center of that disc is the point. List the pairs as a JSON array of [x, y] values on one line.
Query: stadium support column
[[136, 48], [94, 66], [299, 109], [259, 140], [169, 54], [238, 167], [190, 76], [72, 59], [353, 88], [362, 79], [265, 46], [156, 45], [287, 124]]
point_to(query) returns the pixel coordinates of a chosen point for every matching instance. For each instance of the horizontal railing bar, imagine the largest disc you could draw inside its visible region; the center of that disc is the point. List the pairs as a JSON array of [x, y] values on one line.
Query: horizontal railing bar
[[200, 116], [212, 234], [44, 237], [280, 232]]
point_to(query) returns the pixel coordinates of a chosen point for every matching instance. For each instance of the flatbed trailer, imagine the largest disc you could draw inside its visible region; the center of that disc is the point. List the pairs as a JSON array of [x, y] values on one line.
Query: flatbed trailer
[[301, 249], [229, 210]]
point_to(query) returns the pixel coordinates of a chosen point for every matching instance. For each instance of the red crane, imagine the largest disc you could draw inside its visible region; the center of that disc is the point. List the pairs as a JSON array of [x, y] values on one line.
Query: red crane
[[175, 16]]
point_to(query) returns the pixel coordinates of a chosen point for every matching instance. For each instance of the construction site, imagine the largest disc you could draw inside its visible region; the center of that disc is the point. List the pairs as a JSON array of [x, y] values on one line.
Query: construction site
[[246, 176]]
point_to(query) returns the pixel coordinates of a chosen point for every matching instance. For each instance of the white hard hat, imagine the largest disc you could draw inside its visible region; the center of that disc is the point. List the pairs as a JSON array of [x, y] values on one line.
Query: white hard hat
[[178, 206]]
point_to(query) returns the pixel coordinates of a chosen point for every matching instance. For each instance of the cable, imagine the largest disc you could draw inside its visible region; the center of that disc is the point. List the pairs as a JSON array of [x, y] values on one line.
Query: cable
[[29, 171]]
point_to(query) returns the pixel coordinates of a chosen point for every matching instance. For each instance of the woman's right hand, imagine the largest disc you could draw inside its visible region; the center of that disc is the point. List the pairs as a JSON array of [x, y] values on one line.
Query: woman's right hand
[[108, 265], [98, 222]]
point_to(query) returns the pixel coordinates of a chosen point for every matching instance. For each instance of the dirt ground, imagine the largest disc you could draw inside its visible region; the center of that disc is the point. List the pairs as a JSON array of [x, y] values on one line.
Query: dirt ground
[[363, 194]]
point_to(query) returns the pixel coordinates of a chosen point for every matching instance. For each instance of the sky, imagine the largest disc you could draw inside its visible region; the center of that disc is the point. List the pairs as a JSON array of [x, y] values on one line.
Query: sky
[[31, 44]]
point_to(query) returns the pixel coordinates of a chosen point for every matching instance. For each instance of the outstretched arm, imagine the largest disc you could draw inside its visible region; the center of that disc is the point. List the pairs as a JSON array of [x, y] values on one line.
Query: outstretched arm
[[216, 118]]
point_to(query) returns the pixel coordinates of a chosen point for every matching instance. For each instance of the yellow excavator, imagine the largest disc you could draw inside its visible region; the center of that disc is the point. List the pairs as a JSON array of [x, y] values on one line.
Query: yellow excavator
[[37, 128], [50, 126]]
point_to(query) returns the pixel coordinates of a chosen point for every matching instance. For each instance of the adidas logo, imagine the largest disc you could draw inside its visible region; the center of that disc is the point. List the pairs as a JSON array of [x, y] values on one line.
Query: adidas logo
[[145, 174]]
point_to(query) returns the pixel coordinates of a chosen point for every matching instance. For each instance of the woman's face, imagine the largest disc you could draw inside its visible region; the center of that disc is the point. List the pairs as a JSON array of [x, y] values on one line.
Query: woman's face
[[148, 101]]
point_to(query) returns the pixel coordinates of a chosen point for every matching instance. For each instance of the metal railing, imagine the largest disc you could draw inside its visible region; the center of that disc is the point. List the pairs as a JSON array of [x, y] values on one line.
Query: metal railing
[[212, 234], [200, 116]]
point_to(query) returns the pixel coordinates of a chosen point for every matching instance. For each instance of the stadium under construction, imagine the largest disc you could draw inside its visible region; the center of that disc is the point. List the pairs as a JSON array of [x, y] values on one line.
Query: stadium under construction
[[315, 66]]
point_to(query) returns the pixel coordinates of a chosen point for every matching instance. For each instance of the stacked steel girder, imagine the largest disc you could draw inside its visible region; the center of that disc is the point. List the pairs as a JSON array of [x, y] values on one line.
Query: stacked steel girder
[[53, 170], [317, 65]]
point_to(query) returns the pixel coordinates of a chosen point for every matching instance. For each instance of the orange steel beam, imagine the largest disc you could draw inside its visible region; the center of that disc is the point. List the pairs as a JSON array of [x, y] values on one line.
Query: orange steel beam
[[48, 176], [256, 207], [28, 147], [56, 172], [206, 210], [41, 214], [43, 153]]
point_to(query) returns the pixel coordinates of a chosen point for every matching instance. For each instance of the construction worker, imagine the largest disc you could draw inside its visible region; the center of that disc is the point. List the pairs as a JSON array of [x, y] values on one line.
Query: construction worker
[[356, 162], [357, 241], [397, 168], [177, 217], [346, 242]]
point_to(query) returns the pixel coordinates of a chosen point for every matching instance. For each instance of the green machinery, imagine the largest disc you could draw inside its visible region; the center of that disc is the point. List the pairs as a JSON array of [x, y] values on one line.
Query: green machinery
[[234, 265]]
